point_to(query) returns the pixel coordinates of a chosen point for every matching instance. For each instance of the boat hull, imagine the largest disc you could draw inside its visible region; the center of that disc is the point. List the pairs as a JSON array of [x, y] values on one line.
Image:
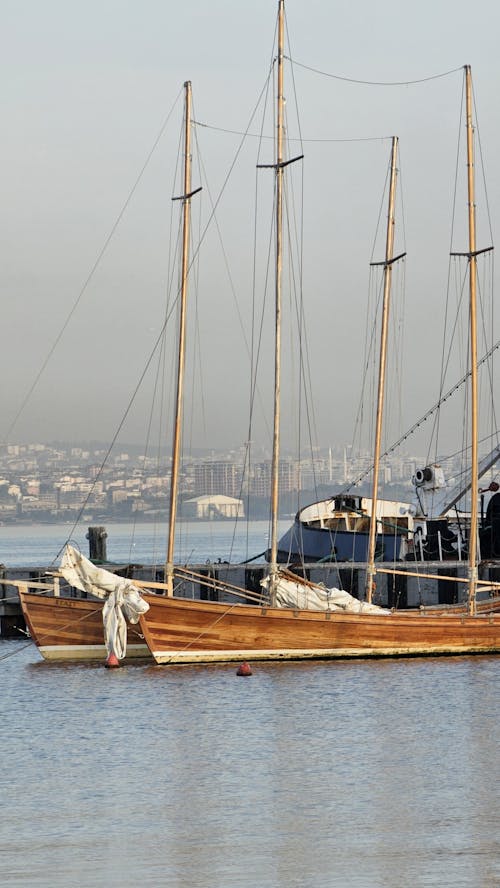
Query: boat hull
[[72, 629], [304, 543], [187, 631]]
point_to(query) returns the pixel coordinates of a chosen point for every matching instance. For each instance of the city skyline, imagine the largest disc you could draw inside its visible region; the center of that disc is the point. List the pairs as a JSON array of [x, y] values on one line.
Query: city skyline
[[41, 483]]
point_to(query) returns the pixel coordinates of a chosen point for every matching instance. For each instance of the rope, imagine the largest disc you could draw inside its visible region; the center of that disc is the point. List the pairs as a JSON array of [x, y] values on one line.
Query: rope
[[204, 632], [17, 651], [216, 584], [423, 418], [221, 129], [374, 82]]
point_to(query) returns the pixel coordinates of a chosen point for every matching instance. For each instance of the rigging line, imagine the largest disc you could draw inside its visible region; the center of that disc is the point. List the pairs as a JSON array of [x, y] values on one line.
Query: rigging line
[[235, 299], [305, 398], [259, 345], [381, 210], [446, 354], [168, 314], [18, 650], [483, 307], [425, 417], [300, 139], [225, 257], [482, 166], [173, 249], [118, 430], [157, 385], [488, 213], [297, 288], [401, 193], [294, 88], [193, 376], [158, 342], [375, 82], [305, 374], [91, 273], [295, 300], [256, 329], [370, 329], [255, 332], [204, 631], [375, 291], [304, 358], [92, 613], [436, 425], [248, 456], [483, 440]]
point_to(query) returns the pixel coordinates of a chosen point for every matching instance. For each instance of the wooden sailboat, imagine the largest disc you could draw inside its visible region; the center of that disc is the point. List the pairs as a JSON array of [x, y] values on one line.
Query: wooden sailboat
[[72, 628], [182, 631]]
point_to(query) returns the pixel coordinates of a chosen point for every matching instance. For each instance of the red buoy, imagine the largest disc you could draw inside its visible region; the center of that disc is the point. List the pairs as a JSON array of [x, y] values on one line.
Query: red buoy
[[112, 662], [244, 669]]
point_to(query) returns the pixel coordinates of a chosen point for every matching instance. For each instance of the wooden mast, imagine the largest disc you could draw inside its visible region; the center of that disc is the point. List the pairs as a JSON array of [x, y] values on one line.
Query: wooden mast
[[389, 251], [273, 568], [473, 344], [176, 444], [472, 255], [279, 167]]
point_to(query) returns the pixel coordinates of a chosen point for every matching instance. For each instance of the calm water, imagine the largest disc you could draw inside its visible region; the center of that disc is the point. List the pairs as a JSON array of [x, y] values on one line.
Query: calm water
[[25, 546], [351, 775], [362, 774]]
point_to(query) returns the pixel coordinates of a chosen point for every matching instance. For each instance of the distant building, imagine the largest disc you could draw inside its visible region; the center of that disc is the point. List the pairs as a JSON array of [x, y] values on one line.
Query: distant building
[[288, 477], [215, 475], [213, 507]]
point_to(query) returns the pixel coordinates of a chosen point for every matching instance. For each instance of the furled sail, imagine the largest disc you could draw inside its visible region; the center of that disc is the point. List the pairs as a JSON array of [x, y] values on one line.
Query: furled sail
[[304, 595], [123, 600]]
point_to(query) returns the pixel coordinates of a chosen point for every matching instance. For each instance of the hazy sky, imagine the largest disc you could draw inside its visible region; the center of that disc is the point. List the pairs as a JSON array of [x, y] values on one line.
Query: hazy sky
[[86, 87]]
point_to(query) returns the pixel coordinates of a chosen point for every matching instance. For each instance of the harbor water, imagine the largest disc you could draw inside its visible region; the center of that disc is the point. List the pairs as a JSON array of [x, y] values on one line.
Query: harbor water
[[362, 774], [196, 542]]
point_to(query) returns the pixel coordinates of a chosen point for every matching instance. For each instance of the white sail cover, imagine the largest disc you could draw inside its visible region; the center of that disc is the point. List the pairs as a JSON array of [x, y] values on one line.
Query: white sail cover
[[309, 596], [123, 600]]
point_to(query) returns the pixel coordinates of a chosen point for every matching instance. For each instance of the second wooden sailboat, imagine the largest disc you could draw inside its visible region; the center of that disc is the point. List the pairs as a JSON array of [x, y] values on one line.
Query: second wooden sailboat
[[180, 631]]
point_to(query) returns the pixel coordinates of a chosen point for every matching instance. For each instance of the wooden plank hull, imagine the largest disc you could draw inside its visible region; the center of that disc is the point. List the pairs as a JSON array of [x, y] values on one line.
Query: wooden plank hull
[[186, 631], [71, 628]]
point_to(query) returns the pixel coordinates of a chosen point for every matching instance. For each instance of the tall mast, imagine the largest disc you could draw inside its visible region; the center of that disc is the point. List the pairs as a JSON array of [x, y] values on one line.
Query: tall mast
[[473, 344], [388, 263], [278, 166], [278, 274], [176, 444], [472, 257]]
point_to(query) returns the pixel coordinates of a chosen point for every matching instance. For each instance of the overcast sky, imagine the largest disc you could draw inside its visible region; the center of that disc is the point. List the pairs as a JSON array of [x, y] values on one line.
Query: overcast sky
[[86, 87]]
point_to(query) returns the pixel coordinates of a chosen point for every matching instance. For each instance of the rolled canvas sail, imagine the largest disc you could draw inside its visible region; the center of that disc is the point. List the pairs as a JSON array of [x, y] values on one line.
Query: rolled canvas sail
[[309, 596], [123, 600]]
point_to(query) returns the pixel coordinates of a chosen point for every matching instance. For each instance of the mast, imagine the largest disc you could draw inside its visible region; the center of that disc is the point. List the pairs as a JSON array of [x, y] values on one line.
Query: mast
[[174, 482], [273, 569], [388, 263], [278, 167], [472, 257], [473, 344]]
